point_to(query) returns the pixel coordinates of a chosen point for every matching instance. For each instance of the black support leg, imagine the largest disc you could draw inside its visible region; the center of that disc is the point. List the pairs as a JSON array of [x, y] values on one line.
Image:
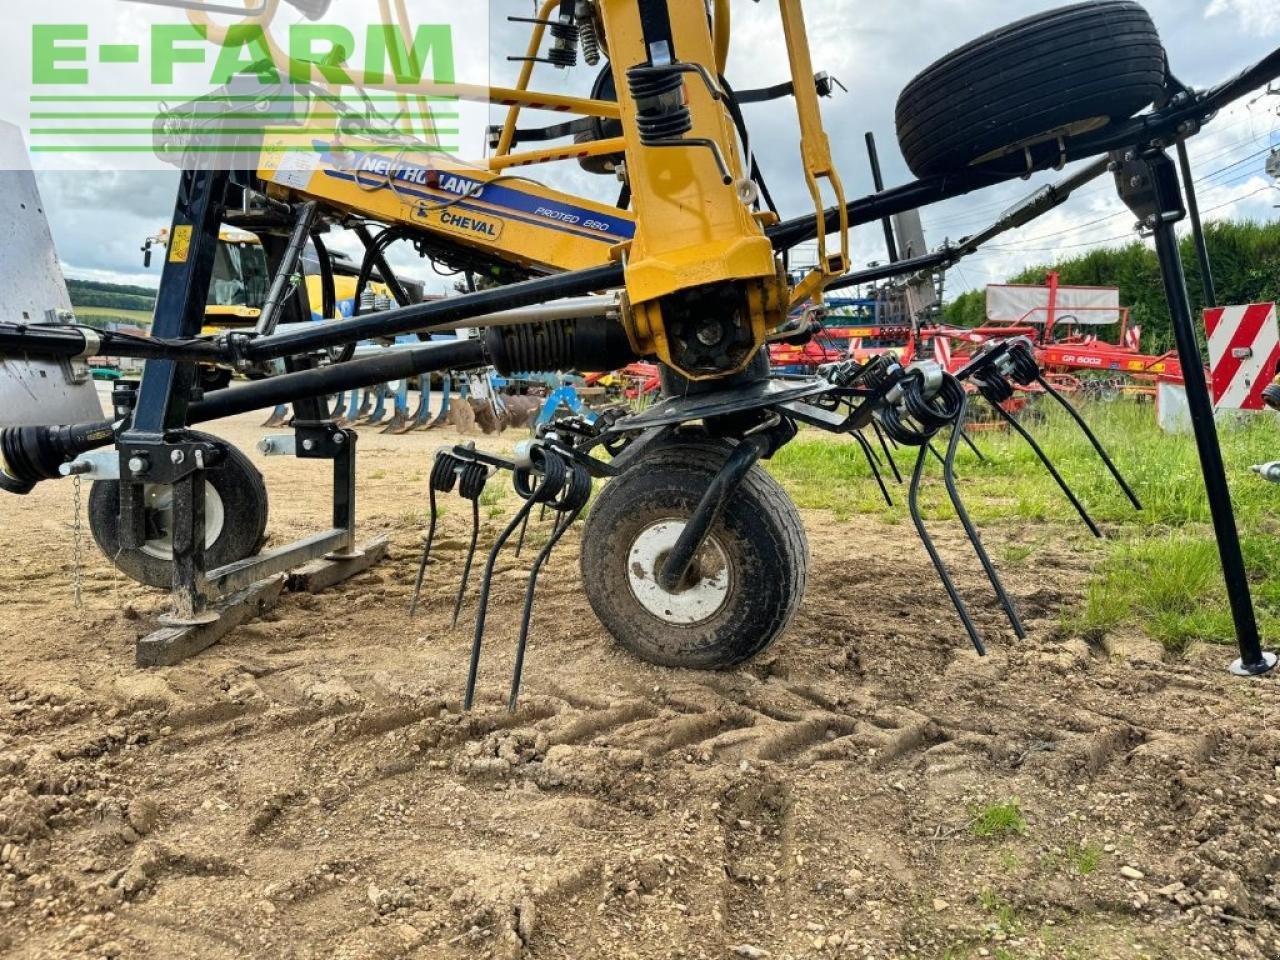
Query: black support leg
[[1148, 183]]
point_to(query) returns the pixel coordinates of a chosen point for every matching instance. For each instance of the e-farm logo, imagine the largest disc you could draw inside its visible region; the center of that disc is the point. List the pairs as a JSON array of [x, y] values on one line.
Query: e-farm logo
[[188, 88]]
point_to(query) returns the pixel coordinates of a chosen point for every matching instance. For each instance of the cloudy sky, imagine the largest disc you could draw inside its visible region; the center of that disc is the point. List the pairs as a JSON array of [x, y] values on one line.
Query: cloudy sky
[[874, 47]]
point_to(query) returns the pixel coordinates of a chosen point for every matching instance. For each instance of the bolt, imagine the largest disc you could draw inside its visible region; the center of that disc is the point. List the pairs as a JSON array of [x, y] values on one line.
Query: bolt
[[710, 333], [308, 445], [339, 438], [177, 457], [138, 466]]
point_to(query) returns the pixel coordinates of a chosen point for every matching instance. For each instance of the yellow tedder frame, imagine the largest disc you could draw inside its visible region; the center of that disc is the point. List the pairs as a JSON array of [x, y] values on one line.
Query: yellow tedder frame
[[692, 223]]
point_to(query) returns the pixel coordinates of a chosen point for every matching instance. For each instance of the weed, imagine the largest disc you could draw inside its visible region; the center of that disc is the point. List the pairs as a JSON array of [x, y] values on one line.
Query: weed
[[997, 820], [1000, 909], [1084, 859]]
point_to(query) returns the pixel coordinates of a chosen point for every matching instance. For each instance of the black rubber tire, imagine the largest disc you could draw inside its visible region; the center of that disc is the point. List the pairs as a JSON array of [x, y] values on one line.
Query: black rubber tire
[[760, 532], [1029, 82], [245, 510]]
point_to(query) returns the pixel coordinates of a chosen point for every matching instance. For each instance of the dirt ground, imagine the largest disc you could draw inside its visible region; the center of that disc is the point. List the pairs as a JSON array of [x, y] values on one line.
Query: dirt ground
[[311, 789]]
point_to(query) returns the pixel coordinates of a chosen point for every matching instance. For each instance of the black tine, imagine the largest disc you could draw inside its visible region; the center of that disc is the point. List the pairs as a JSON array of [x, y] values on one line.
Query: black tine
[[913, 502], [1053, 471], [542, 514], [1093, 439], [953, 491], [875, 468], [888, 455], [936, 455], [968, 440], [482, 607], [563, 523], [426, 554], [471, 555], [524, 529]]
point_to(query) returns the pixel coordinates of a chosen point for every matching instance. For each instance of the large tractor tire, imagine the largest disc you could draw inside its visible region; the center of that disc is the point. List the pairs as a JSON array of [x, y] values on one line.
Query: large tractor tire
[[1054, 75], [235, 520], [745, 586]]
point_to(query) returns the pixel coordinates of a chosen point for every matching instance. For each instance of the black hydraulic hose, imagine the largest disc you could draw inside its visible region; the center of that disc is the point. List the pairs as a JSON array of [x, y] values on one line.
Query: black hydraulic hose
[[66, 342], [282, 284], [328, 287]]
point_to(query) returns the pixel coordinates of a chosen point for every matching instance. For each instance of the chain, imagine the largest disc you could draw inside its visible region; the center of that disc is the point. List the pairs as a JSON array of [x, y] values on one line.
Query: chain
[[77, 546]]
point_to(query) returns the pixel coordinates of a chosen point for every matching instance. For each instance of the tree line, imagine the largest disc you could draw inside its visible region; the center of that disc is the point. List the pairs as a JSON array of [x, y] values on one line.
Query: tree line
[[117, 296], [1245, 259]]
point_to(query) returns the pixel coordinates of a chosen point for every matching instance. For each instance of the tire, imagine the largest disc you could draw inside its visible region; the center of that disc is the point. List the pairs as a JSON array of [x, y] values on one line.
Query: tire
[[1059, 73], [757, 548], [236, 520]]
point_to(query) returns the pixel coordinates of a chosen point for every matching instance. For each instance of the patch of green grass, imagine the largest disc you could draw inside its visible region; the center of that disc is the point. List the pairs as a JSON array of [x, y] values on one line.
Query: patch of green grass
[[1015, 554], [998, 820], [378, 475], [1159, 572], [1001, 910], [1084, 859], [492, 494]]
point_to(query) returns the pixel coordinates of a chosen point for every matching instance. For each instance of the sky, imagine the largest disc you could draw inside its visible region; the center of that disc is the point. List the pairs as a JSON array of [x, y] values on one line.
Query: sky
[[874, 47]]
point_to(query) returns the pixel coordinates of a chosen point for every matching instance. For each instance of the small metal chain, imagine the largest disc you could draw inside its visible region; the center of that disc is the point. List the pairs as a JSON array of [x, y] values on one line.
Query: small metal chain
[[77, 546]]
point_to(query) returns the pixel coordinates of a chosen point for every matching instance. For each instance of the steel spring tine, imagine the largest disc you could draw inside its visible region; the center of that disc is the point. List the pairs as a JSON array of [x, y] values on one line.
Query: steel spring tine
[[953, 491], [968, 440], [524, 529], [564, 521], [888, 455], [1093, 439], [471, 555], [548, 488], [444, 477], [426, 555], [913, 502], [482, 609], [1053, 471], [473, 480], [875, 468], [936, 455]]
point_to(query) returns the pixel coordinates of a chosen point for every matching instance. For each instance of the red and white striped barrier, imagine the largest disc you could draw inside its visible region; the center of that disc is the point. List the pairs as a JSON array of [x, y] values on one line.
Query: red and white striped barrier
[[1244, 351]]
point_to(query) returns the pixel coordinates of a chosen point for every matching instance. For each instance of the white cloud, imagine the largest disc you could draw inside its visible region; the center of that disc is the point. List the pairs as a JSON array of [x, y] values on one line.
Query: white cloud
[[1260, 16]]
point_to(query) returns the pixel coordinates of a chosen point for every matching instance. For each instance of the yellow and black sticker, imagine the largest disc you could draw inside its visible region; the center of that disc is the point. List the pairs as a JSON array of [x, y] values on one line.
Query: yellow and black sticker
[[180, 244]]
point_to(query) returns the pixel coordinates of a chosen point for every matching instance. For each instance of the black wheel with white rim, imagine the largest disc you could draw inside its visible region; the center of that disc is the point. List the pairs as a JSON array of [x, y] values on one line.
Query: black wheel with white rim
[[1051, 76], [235, 520], [744, 586]]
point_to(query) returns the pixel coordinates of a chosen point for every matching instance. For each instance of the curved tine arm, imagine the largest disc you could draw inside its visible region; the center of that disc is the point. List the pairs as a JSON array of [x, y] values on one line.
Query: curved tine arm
[[913, 502]]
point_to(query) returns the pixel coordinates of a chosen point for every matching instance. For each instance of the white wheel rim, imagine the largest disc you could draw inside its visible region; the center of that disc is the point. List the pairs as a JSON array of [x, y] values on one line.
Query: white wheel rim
[[159, 499], [698, 601]]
